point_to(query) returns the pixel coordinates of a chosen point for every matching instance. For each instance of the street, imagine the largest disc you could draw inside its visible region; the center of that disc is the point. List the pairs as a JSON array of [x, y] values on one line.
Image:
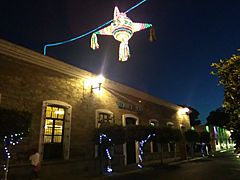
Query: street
[[222, 166]]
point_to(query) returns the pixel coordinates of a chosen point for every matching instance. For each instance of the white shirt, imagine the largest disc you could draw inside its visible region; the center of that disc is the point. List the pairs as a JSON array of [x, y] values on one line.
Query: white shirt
[[34, 159]]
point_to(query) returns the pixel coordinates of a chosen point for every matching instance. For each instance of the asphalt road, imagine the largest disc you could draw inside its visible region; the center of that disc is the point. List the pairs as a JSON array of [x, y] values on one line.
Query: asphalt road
[[224, 166]]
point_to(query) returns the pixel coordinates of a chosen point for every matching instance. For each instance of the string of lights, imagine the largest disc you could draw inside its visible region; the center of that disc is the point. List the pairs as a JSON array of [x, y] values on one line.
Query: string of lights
[[89, 32], [13, 140], [101, 136], [140, 156]]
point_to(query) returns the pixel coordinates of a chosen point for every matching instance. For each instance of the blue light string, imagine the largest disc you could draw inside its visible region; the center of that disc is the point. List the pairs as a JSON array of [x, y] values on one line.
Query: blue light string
[[10, 140], [141, 150], [109, 168], [87, 33]]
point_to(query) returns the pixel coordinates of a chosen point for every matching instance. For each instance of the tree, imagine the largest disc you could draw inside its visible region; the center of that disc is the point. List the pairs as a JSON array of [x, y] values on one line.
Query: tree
[[205, 142], [204, 137], [136, 132], [106, 137], [13, 121], [191, 137], [228, 73], [113, 131], [176, 136], [219, 117], [14, 125], [163, 136], [194, 117]]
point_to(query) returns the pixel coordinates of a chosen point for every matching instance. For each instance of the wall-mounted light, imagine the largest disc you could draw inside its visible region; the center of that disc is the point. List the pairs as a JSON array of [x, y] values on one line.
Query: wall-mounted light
[[97, 82], [183, 111]]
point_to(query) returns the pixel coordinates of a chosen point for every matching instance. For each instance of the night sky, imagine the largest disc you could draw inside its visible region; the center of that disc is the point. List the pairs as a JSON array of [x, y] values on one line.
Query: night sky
[[191, 34]]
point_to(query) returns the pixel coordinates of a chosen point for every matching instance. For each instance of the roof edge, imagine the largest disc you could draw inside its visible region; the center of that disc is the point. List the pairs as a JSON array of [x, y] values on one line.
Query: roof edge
[[10, 49]]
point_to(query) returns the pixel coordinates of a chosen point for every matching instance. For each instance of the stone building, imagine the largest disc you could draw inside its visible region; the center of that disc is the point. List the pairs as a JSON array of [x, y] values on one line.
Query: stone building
[[66, 109]]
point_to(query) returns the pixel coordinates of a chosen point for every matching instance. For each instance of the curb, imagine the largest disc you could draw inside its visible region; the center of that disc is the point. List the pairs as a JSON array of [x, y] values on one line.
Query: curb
[[188, 160]]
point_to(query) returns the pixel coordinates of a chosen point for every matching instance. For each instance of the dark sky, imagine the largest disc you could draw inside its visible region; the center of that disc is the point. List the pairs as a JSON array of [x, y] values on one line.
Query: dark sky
[[191, 34]]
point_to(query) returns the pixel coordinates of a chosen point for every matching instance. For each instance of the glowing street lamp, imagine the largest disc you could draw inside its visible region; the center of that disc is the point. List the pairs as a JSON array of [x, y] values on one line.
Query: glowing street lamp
[[97, 82], [183, 111]]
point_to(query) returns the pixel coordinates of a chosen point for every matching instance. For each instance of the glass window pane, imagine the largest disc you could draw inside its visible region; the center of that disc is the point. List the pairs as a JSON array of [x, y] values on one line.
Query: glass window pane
[[57, 131], [54, 112], [47, 139], [58, 123], [57, 139], [48, 127], [60, 113], [48, 111], [58, 127], [49, 123], [48, 131]]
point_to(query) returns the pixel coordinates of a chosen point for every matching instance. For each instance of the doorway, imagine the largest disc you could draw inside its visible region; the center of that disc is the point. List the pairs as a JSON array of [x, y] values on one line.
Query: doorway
[[130, 149], [53, 132], [130, 146]]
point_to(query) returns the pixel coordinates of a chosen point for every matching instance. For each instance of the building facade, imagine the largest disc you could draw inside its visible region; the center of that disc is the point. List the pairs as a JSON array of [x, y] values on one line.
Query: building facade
[[220, 138], [66, 108]]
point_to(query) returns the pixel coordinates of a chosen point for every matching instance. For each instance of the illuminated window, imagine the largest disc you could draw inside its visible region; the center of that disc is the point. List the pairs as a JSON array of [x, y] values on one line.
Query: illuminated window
[[104, 119], [53, 129]]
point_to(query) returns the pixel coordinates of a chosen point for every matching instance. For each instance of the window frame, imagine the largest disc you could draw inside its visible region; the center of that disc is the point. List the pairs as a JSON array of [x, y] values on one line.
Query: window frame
[[54, 119]]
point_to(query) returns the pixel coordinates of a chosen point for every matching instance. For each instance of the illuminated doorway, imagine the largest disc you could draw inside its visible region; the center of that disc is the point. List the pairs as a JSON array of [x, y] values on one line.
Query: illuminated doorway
[[53, 132]]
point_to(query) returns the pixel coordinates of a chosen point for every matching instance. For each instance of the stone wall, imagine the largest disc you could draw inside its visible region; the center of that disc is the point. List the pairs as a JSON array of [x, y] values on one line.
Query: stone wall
[[27, 80]]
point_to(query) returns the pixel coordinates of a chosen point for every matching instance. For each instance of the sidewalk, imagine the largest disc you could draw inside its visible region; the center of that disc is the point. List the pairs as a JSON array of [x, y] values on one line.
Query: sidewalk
[[147, 166], [73, 171]]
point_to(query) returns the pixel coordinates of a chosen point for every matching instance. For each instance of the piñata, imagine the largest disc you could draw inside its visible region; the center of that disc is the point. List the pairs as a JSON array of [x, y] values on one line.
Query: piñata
[[122, 29]]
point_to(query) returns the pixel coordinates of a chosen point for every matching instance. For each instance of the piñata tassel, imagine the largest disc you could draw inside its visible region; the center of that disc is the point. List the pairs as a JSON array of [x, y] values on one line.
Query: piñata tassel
[[124, 52], [153, 36], [94, 43]]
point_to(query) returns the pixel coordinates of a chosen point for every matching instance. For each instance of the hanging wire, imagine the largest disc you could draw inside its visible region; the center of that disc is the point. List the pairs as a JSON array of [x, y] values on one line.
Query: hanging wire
[[87, 33]]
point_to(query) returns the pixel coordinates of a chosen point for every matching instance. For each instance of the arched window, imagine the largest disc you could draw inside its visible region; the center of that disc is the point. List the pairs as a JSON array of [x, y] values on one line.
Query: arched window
[[154, 145], [170, 124], [54, 141], [103, 117]]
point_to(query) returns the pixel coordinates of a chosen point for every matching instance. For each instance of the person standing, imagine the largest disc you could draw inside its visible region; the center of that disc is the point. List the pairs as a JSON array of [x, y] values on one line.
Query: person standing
[[35, 164]]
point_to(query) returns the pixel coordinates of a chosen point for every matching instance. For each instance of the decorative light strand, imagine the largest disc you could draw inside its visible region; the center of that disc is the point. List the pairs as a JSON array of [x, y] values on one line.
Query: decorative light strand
[[13, 139], [140, 164], [89, 32], [101, 136]]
